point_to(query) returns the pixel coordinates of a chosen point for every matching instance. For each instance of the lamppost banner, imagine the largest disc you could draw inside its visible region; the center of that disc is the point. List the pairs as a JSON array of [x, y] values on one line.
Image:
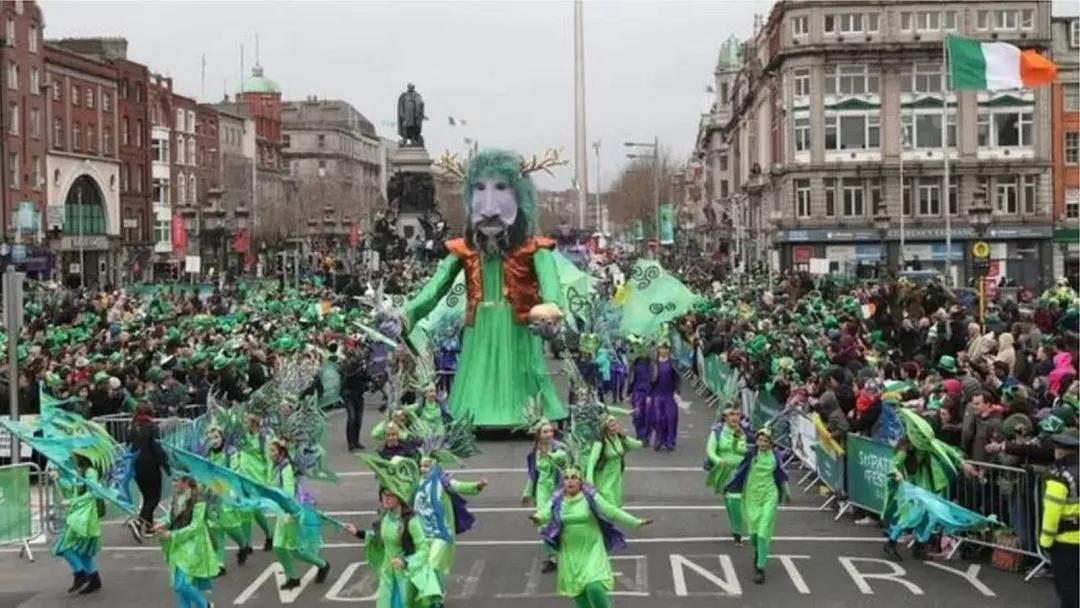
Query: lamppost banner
[[667, 224]]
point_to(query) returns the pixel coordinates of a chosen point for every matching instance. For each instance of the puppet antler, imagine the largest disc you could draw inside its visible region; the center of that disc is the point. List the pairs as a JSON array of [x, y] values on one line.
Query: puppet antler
[[452, 165], [551, 158]]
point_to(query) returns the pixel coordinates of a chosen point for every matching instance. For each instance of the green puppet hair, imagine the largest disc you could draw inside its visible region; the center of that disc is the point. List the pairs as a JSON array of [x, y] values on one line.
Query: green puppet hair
[[507, 165]]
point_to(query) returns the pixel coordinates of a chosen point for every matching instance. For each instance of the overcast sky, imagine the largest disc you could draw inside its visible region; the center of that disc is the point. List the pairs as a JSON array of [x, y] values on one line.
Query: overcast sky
[[506, 68]]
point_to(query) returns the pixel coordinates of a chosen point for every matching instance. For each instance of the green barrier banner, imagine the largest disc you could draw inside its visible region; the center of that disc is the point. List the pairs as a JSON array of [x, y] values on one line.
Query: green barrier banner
[[829, 469], [868, 466], [15, 508], [764, 410], [712, 373]]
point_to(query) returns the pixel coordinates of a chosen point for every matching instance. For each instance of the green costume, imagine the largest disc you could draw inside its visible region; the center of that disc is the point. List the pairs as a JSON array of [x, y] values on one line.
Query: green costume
[[225, 520], [440, 552], [252, 461], [415, 583], [502, 363], [543, 479], [724, 451], [762, 501], [296, 535], [82, 526], [189, 550], [428, 416], [584, 569], [604, 467]]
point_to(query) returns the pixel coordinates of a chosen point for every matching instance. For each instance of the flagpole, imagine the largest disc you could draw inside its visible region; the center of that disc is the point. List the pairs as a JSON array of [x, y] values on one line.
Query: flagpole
[[945, 157]]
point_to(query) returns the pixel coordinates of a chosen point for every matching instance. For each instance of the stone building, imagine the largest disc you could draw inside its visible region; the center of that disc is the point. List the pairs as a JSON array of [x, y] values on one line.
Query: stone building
[[228, 215], [835, 99]]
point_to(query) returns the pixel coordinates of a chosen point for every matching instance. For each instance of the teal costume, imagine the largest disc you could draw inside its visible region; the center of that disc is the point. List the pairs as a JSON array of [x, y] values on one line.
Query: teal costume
[[80, 540]]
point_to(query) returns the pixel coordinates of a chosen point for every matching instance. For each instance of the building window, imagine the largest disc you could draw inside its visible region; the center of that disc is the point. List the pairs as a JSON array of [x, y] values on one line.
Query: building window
[[106, 102], [723, 188], [138, 93], [723, 161], [802, 134], [922, 77], [57, 90], [36, 175], [140, 178], [1005, 20], [91, 137], [106, 141], [191, 151], [286, 141], [923, 130], [800, 26], [10, 38], [178, 157], [851, 79], [1074, 33], [1004, 129], [190, 122], [929, 196], [90, 97], [159, 151], [1072, 147], [1072, 203], [322, 140], [851, 23], [162, 230], [853, 198], [35, 123], [139, 133], [13, 75], [954, 195], [35, 81], [1027, 19], [193, 189], [13, 170], [801, 78], [125, 128], [829, 185], [13, 118], [75, 94], [125, 178], [982, 20], [852, 131], [181, 190], [1031, 190], [1007, 195], [924, 21], [32, 39], [802, 198], [906, 187], [57, 133]]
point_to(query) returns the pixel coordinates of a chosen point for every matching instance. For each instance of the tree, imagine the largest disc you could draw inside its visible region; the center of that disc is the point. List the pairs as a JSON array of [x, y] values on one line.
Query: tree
[[632, 196]]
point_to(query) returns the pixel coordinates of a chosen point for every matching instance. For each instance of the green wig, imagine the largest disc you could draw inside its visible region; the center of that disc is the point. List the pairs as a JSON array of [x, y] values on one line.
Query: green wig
[[507, 165]]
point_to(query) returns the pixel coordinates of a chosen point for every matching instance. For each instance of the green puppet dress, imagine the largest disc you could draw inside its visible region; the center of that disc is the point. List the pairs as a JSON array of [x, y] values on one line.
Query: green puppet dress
[[501, 365], [584, 571], [604, 467], [724, 451], [296, 535], [225, 520], [80, 540], [416, 584]]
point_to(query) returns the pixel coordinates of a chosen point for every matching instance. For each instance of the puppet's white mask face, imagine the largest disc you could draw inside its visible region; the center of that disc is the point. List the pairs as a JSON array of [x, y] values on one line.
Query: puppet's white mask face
[[494, 206]]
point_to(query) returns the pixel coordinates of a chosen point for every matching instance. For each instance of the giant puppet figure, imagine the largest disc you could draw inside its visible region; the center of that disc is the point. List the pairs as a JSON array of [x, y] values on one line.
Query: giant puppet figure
[[510, 282]]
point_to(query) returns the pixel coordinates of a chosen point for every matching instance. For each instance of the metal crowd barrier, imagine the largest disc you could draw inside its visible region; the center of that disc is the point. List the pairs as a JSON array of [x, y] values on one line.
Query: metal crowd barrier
[[17, 506], [1014, 495], [118, 425]]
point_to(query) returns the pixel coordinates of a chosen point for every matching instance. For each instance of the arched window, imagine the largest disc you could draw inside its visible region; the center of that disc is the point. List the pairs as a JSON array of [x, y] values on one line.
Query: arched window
[[84, 207], [193, 190], [181, 190]]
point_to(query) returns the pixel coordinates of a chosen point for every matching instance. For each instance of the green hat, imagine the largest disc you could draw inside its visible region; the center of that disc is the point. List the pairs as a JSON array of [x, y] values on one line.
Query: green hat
[[172, 336], [947, 364], [100, 377], [220, 362], [155, 374], [116, 357], [286, 343], [53, 380]]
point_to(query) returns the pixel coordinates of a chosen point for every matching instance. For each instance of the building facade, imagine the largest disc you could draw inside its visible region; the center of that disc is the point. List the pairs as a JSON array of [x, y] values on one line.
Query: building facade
[[226, 219], [83, 167], [23, 103], [274, 217], [836, 140], [712, 150], [1065, 33], [334, 160]]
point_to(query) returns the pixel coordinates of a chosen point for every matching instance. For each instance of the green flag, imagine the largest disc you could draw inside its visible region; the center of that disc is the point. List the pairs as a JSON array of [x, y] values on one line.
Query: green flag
[[639, 230], [654, 297], [667, 224]]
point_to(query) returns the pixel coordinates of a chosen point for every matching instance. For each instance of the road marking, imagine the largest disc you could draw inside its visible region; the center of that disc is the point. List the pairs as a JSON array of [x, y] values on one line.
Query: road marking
[[971, 576], [639, 585], [860, 578], [728, 584], [530, 542], [334, 594], [521, 471], [275, 573], [788, 561]]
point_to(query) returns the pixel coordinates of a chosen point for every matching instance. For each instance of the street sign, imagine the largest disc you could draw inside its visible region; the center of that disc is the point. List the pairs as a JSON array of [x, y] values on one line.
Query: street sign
[[980, 253]]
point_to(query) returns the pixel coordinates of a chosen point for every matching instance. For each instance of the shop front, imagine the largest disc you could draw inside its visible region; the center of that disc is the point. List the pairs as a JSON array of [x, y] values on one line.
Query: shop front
[[1067, 255]]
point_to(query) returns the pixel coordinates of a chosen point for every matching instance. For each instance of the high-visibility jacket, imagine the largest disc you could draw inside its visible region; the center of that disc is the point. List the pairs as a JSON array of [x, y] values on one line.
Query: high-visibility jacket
[[1061, 507]]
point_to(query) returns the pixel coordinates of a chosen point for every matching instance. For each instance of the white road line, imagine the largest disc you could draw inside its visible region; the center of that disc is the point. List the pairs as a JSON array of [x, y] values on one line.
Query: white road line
[[521, 471], [532, 510], [533, 541]]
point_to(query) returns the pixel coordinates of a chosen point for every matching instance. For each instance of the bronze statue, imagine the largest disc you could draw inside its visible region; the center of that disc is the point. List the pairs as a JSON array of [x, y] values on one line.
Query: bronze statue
[[410, 117]]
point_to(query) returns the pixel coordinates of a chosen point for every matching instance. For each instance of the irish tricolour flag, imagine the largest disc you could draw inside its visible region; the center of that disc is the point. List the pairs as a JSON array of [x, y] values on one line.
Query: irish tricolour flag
[[994, 66]]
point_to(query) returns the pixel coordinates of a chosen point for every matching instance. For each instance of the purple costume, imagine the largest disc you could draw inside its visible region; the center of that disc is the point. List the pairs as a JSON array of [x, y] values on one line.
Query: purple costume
[[639, 398], [446, 364], [665, 413]]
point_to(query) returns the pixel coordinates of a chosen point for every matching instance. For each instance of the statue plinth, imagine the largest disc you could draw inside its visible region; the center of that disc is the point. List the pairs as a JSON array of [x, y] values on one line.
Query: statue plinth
[[411, 189]]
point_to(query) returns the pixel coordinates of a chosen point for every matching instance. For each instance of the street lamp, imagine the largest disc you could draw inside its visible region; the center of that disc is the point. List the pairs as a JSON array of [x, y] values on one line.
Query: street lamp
[[881, 225], [655, 157]]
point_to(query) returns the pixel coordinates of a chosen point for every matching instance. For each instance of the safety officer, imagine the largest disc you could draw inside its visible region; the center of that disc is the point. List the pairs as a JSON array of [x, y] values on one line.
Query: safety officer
[[1060, 535]]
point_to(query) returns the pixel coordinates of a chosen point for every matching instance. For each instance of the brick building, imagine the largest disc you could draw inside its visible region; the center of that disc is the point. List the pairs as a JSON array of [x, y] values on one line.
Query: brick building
[[160, 99], [22, 99], [82, 166], [1065, 34]]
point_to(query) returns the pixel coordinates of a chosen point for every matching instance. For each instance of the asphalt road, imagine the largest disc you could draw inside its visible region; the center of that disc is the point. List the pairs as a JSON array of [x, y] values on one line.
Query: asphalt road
[[685, 559]]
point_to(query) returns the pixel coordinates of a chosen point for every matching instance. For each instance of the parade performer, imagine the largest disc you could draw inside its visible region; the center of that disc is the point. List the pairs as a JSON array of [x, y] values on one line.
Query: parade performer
[[640, 382], [542, 465], [252, 461], [579, 525], [1060, 532], [665, 410], [511, 280], [186, 543], [296, 535], [607, 460], [762, 482], [226, 520], [724, 451], [80, 540], [429, 412], [399, 418], [396, 547]]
